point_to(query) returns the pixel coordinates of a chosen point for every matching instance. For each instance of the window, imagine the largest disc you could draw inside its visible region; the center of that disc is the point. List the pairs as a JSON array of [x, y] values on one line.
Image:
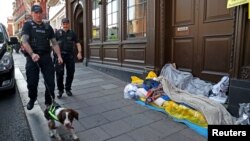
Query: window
[[136, 18], [1, 37], [111, 20], [95, 20], [4, 34]]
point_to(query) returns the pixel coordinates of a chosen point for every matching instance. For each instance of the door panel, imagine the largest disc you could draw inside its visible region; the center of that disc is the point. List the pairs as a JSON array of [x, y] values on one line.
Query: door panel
[[186, 14], [202, 37], [215, 58], [214, 39], [183, 53], [184, 33]]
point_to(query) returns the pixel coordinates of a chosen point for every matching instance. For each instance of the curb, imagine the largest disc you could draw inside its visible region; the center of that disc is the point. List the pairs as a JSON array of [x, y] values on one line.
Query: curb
[[35, 117]]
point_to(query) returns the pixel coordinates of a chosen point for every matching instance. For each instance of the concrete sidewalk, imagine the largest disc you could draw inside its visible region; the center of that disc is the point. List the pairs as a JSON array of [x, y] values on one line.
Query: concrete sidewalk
[[103, 112]]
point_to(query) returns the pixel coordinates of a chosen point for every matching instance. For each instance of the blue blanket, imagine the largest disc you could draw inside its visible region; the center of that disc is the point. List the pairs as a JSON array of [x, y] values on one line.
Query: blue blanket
[[200, 130]]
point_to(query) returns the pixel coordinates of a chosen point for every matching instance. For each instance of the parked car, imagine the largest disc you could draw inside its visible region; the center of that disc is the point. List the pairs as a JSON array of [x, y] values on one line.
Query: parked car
[[7, 74]]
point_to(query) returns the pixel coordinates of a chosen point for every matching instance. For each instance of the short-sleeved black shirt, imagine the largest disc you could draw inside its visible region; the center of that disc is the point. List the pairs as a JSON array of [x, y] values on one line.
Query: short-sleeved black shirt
[[27, 29], [60, 34], [39, 36]]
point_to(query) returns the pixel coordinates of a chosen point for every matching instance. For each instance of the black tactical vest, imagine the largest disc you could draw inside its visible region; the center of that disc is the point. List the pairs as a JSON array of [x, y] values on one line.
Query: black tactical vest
[[65, 41], [39, 41]]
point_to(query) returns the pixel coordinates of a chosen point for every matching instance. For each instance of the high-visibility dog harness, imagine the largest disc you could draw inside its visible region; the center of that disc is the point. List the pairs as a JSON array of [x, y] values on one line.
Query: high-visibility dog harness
[[52, 111]]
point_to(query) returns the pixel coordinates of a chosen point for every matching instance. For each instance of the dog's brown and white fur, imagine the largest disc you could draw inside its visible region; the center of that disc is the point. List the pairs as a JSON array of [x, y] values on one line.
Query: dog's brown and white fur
[[65, 117]]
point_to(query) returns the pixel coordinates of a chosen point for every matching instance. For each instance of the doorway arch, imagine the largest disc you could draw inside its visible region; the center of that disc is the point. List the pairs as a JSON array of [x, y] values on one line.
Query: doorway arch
[[78, 27]]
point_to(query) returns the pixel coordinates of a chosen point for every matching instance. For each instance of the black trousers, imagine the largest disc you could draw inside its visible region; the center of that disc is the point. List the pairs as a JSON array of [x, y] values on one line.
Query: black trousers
[[32, 72], [69, 63]]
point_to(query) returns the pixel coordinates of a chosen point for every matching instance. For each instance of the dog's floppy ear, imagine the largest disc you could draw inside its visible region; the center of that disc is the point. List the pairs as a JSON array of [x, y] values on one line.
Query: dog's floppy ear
[[75, 114], [60, 117]]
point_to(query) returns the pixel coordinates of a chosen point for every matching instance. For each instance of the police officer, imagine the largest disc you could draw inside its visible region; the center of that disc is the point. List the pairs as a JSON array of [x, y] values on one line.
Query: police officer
[[67, 40], [36, 37]]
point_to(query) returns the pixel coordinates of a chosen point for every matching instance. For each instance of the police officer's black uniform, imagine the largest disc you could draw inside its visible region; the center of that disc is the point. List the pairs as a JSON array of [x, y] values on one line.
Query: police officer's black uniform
[[40, 35], [66, 41]]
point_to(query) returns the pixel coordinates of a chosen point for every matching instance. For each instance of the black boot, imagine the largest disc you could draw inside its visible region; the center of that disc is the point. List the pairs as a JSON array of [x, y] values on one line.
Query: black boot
[[60, 93], [30, 104], [69, 93]]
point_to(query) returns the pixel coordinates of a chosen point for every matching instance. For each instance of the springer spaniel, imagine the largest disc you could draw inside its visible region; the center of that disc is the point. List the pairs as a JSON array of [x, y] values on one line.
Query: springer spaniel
[[56, 116]]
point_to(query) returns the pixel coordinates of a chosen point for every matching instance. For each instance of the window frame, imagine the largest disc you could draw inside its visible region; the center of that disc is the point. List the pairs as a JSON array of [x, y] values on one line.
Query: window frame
[[100, 22], [105, 22], [122, 21], [145, 16]]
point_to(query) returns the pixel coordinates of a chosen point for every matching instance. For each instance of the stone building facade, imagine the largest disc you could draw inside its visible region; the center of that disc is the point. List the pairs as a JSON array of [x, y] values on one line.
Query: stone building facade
[[22, 11], [126, 37]]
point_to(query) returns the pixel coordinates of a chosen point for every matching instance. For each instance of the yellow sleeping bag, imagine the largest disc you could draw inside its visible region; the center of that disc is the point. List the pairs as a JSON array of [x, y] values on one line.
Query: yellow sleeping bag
[[182, 112]]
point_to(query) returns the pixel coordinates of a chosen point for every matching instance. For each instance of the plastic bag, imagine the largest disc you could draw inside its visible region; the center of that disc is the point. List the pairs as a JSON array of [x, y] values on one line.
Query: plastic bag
[[130, 92], [151, 75], [244, 114], [136, 80]]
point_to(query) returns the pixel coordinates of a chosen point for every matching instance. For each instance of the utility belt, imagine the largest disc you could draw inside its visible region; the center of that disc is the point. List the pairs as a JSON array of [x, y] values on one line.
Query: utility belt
[[66, 52], [41, 53]]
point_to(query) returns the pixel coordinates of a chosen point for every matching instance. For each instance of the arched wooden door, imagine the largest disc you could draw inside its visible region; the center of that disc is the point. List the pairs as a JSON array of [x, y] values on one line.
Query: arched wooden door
[[78, 27]]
